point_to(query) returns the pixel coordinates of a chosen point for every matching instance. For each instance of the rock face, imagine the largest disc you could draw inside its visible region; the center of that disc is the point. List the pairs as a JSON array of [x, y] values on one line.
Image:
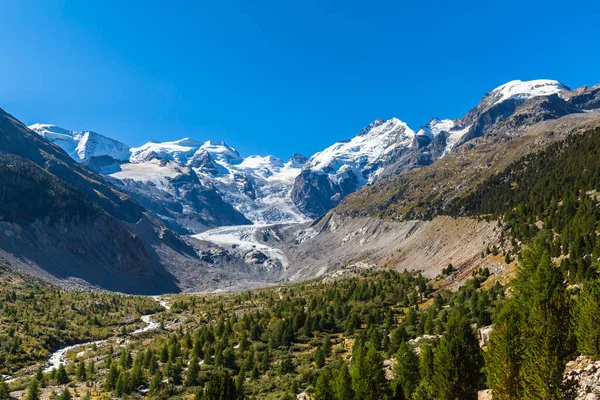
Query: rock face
[[483, 334], [584, 374], [78, 230], [73, 224], [192, 186], [82, 145], [266, 190], [386, 148]]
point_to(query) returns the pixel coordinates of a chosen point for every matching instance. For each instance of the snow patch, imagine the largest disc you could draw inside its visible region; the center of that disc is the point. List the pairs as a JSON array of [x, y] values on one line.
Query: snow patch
[[524, 90]]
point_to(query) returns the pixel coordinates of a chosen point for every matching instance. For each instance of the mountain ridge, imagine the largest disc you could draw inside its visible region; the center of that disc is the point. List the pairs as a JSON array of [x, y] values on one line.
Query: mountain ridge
[[306, 189]]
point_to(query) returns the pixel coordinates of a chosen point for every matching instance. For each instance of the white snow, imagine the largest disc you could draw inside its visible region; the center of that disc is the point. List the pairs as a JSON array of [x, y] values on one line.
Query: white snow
[[362, 151], [182, 151], [242, 239], [236, 178], [455, 135], [81, 145], [268, 177], [260, 186], [435, 127], [153, 171], [524, 90]]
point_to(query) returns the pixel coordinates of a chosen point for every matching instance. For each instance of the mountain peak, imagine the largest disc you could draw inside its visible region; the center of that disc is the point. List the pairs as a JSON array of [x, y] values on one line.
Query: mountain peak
[[82, 145], [524, 90]]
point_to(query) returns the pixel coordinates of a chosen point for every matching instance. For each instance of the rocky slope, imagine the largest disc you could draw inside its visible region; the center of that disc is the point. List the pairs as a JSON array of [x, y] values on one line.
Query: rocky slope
[[72, 223], [82, 145], [427, 191], [386, 148], [405, 178], [64, 223], [190, 185]]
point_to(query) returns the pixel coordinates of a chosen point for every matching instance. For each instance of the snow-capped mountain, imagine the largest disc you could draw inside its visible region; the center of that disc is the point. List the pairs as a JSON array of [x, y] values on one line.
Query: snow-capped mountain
[[169, 177], [191, 185], [361, 155], [521, 91], [258, 187], [385, 148], [82, 145]]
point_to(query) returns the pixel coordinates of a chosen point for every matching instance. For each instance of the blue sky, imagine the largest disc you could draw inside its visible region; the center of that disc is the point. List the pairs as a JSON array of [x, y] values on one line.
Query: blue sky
[[278, 77]]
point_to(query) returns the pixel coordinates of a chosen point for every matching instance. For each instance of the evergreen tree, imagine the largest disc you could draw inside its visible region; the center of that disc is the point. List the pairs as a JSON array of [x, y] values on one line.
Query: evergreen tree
[[65, 395], [376, 384], [548, 336], [326, 346], [137, 372], [191, 377], [61, 375], [532, 339], [91, 371], [359, 370], [505, 353], [39, 375], [458, 361], [33, 390], [123, 385], [319, 357], [587, 319], [220, 386], [111, 378], [426, 363], [406, 370], [323, 387], [156, 383], [80, 372], [342, 383], [4, 394], [239, 383], [164, 354]]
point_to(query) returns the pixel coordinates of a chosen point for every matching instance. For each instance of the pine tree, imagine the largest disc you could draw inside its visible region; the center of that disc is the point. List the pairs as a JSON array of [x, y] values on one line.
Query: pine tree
[[239, 382], [80, 372], [406, 370], [359, 370], [164, 354], [323, 387], [587, 320], [326, 346], [505, 353], [123, 385], [91, 371], [376, 385], [39, 375], [65, 395], [220, 386], [156, 383], [33, 391], [4, 394], [137, 372], [191, 377], [111, 378], [319, 357], [532, 341], [426, 360], [342, 383], [61, 375], [458, 361]]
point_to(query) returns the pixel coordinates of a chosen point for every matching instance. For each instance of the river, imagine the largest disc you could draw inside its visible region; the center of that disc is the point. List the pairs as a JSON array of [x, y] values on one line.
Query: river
[[59, 356]]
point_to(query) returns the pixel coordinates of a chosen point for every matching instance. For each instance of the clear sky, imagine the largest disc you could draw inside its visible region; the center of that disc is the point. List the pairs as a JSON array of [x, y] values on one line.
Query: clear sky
[[278, 77]]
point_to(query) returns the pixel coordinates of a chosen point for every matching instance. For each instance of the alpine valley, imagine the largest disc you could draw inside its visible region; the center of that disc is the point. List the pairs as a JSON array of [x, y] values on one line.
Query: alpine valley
[[456, 260], [200, 216]]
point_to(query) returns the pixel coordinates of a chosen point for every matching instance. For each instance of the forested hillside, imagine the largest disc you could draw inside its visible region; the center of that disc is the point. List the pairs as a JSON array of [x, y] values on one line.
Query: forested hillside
[[556, 190]]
